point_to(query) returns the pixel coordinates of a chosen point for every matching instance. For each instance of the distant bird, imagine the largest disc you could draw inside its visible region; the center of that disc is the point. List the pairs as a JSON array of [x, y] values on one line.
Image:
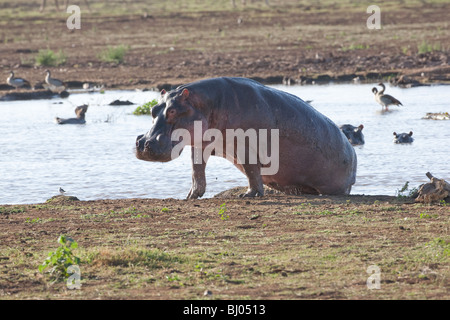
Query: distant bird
[[62, 191], [79, 111], [54, 85], [384, 99], [17, 82]]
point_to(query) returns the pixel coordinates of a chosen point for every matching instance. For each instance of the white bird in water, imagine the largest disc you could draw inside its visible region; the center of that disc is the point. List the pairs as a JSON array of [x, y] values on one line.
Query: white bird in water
[[62, 191], [16, 82], [384, 99], [54, 85]]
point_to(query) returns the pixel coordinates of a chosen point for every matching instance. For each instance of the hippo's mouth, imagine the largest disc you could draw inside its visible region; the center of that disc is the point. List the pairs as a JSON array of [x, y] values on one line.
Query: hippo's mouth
[[158, 149]]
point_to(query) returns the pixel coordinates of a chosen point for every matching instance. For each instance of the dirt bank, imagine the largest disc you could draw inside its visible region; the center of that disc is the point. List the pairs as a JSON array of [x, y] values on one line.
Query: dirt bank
[[301, 43], [276, 247]]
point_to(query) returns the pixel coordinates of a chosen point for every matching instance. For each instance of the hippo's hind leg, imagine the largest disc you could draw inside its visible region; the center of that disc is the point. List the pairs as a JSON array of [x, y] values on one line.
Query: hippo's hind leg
[[198, 175], [253, 173]]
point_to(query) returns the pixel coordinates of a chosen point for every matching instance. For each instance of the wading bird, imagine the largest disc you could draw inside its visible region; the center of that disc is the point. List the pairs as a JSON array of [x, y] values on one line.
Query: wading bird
[[384, 99]]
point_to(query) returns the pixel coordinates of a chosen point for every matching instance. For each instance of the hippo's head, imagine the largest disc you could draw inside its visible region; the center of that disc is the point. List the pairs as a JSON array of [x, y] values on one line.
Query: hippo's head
[[174, 111], [353, 134], [403, 137]]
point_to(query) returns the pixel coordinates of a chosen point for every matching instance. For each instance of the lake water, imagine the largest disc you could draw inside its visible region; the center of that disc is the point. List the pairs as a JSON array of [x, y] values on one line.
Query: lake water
[[96, 160]]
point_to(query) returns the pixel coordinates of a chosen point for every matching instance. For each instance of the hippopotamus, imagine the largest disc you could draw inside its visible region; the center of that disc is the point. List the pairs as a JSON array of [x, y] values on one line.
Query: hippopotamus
[[403, 137], [310, 156], [353, 134], [79, 111]]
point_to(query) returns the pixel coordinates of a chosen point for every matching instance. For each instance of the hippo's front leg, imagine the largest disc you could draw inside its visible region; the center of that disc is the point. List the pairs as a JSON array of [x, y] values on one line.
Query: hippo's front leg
[[198, 175], [256, 187]]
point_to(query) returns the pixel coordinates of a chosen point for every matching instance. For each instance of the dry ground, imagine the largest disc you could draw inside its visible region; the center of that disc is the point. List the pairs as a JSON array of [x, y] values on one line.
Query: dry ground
[[276, 247], [174, 42]]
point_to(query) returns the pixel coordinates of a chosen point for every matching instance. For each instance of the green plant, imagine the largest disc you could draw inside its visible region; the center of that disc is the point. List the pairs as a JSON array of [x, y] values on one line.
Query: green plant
[[222, 212], [442, 245], [145, 108], [9, 210], [355, 47], [114, 54], [61, 259], [425, 47], [47, 57], [165, 210], [402, 192], [36, 220]]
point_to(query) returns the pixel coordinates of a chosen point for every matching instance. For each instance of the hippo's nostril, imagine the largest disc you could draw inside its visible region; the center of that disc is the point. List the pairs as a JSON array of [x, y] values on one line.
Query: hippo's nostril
[[139, 137], [147, 144], [162, 139]]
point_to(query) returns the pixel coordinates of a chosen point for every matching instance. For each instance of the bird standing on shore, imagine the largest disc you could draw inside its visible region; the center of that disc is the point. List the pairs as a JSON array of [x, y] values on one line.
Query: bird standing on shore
[[16, 82], [62, 191], [384, 99], [54, 85]]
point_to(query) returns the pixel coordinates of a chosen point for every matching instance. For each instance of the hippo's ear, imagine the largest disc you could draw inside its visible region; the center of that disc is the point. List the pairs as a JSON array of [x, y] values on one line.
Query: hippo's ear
[[185, 93], [163, 92]]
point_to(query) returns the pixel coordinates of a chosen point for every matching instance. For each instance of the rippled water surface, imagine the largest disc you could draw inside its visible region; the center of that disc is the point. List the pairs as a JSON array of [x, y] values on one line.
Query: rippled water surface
[[96, 160]]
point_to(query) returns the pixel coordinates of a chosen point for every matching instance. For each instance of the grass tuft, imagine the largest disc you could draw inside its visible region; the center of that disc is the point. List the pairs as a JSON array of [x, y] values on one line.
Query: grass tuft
[[114, 54], [48, 58]]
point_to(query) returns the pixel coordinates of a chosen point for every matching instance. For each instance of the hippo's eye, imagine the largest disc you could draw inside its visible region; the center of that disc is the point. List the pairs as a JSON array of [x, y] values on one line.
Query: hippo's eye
[[171, 112]]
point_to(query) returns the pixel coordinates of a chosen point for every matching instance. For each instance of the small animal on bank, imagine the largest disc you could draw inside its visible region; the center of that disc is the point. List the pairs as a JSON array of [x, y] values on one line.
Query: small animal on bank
[[53, 84], [17, 82], [403, 137], [79, 111], [353, 134], [384, 99]]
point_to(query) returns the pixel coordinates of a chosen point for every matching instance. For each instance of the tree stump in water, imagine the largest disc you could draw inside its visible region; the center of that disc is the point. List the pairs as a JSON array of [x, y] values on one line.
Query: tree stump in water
[[436, 190]]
